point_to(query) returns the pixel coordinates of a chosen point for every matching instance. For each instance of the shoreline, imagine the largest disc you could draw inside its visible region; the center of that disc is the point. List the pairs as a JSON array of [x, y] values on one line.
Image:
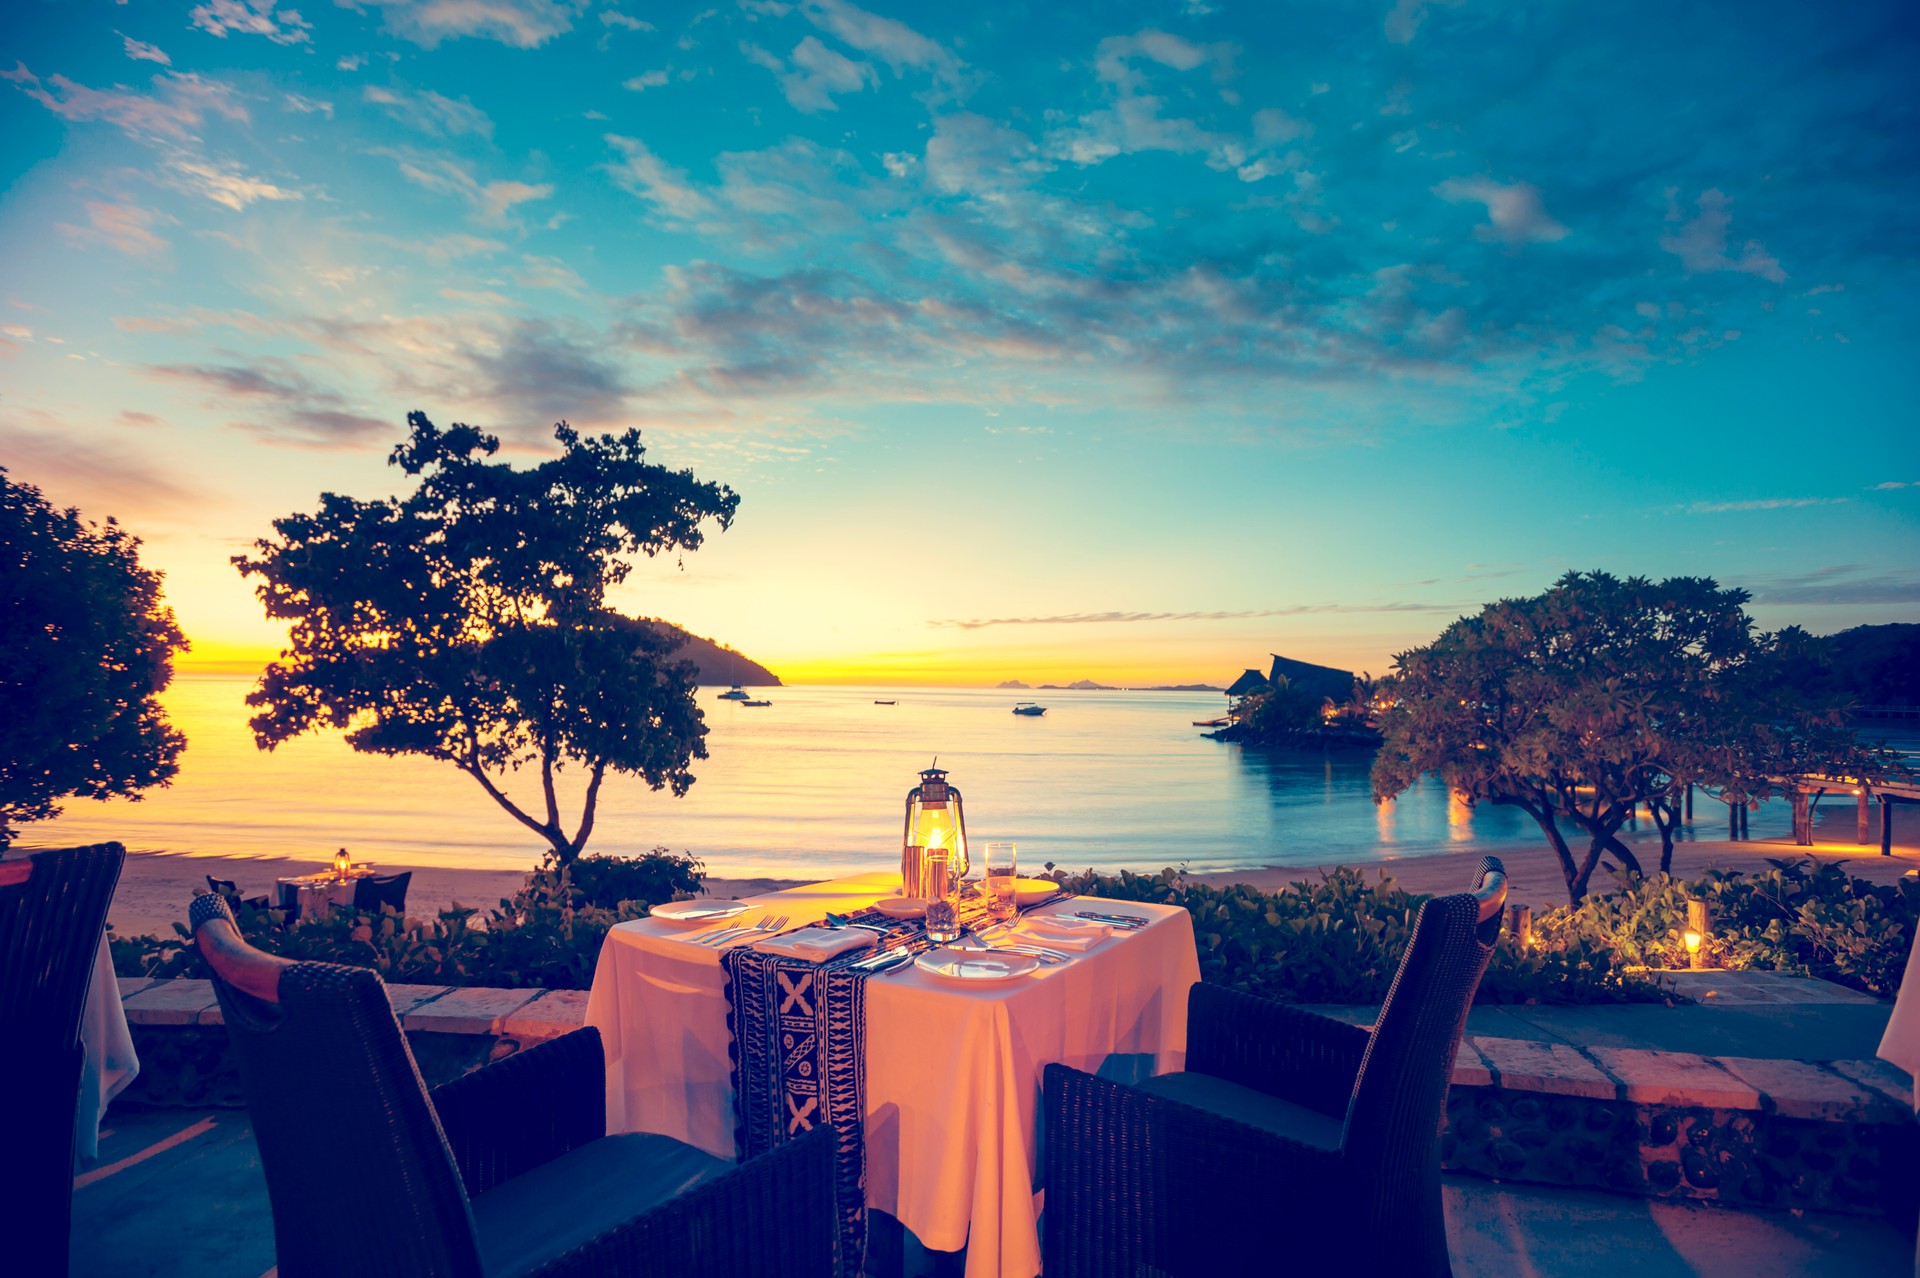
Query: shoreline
[[155, 887]]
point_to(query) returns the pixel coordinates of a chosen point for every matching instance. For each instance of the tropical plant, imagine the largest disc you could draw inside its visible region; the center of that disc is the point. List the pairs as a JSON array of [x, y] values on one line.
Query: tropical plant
[[466, 621], [86, 648]]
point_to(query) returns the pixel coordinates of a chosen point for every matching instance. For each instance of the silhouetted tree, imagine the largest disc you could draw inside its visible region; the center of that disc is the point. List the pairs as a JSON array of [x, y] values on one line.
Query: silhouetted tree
[[86, 648], [466, 621], [1602, 694]]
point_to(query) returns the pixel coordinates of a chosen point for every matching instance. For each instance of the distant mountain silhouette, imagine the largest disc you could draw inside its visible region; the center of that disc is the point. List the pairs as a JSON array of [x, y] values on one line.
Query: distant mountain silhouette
[[1081, 685], [719, 666], [1015, 683]]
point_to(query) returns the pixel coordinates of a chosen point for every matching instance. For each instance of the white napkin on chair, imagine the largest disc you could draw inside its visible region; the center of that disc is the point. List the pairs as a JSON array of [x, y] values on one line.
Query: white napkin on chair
[[818, 944]]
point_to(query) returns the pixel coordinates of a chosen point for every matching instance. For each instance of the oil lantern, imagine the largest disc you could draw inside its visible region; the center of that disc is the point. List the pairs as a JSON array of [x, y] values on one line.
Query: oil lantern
[[342, 864], [934, 824]]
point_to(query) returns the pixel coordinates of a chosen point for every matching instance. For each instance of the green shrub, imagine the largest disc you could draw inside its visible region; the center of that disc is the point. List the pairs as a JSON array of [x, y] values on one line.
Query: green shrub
[[547, 934], [611, 881], [1339, 940]]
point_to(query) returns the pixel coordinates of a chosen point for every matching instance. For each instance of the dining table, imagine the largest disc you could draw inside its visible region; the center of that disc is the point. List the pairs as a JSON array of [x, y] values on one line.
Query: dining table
[[308, 896], [952, 1069]]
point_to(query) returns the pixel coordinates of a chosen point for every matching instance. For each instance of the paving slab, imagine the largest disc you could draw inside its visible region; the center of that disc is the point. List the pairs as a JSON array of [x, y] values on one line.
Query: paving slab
[[1883, 1076], [554, 1013], [1545, 1067], [131, 985], [1735, 988], [1797, 1089], [405, 998], [1793, 1031], [473, 1010], [181, 1002], [1675, 1078], [1470, 1067]]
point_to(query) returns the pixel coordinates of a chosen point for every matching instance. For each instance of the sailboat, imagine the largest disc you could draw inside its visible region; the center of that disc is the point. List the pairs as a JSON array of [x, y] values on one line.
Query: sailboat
[[736, 692]]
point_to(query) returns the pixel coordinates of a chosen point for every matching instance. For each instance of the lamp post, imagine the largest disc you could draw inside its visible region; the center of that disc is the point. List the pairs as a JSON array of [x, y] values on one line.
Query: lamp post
[[1699, 928]]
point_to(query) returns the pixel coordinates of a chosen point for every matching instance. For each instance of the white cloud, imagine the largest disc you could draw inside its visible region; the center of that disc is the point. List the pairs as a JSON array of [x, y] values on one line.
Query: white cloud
[[352, 62], [251, 17], [307, 106], [893, 42], [644, 81], [523, 24], [1701, 244], [431, 113], [490, 201], [1894, 484], [653, 180], [1515, 214], [140, 51], [224, 184], [815, 74], [614, 18], [179, 104]]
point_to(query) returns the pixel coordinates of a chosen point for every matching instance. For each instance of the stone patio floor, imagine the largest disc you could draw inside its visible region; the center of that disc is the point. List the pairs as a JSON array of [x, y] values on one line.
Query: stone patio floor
[[179, 1194]]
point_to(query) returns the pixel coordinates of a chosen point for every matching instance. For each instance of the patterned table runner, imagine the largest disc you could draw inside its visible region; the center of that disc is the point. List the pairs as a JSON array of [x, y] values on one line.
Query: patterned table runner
[[799, 1054]]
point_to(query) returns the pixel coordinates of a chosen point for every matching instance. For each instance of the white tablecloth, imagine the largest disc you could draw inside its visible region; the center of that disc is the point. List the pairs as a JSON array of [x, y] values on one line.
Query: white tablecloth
[[953, 1075], [110, 1061]]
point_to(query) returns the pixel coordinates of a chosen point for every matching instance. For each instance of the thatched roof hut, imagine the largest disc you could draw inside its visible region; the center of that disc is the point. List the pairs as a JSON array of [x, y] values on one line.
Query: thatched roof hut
[[1247, 684]]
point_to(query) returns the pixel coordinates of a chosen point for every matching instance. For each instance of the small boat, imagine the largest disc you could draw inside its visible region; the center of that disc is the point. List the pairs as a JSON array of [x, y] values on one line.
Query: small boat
[[756, 703], [735, 693], [1030, 709], [883, 703], [1212, 723]]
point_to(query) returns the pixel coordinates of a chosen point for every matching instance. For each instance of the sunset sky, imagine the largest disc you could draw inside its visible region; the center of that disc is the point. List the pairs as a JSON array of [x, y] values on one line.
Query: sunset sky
[[1126, 341]]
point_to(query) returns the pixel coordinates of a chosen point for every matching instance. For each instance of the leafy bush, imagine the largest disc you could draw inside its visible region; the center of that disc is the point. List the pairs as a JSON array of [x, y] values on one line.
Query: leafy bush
[[548, 934], [1339, 940]]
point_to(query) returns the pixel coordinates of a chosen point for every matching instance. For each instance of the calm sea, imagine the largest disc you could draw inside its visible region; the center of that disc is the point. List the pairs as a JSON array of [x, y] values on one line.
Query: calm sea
[[814, 784]]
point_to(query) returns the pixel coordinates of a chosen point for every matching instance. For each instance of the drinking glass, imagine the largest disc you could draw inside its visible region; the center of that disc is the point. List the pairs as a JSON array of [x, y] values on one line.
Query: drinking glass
[[943, 899], [1000, 873]]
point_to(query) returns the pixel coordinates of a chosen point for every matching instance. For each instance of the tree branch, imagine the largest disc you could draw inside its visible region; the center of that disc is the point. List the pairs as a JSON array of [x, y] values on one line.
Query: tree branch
[[587, 808]]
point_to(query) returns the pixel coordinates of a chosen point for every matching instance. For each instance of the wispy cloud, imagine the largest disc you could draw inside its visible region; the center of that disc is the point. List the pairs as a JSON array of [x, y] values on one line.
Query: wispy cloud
[[1761, 503], [1837, 584], [430, 112], [225, 183], [1515, 214], [490, 202], [180, 103], [1701, 243], [281, 404], [523, 24], [251, 17], [140, 51], [126, 227], [1110, 618]]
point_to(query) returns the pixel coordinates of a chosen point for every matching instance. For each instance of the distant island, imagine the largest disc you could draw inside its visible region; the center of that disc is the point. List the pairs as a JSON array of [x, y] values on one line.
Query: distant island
[[1014, 683], [1078, 685], [718, 665]]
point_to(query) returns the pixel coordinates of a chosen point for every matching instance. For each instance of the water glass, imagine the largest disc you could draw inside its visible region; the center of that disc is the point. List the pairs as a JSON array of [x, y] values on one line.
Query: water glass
[[1000, 873], [943, 899]]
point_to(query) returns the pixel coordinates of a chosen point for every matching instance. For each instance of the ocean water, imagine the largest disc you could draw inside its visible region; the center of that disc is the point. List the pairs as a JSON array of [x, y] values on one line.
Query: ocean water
[[815, 785]]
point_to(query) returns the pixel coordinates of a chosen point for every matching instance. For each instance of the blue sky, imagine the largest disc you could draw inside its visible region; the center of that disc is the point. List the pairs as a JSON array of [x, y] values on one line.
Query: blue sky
[[1129, 340]]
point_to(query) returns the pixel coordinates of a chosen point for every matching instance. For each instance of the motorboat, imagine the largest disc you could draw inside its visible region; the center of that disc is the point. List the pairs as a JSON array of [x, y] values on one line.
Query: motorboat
[[878, 702], [735, 693], [1029, 709], [751, 704]]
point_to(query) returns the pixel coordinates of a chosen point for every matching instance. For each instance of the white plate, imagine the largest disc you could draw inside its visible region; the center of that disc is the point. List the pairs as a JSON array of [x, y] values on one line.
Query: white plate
[[974, 967], [697, 911], [901, 907]]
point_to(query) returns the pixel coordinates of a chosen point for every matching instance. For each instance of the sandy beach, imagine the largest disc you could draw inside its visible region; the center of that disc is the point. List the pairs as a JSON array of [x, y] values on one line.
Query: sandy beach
[[156, 886]]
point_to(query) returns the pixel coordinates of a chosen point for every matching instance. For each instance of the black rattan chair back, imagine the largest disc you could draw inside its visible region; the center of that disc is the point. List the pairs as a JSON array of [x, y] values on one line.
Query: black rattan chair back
[[378, 890], [53, 908], [1399, 1098], [359, 1172]]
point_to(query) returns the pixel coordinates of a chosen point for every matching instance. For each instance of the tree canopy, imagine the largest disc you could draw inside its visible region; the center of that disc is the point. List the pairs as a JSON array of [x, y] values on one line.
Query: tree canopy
[[1603, 694], [86, 648], [467, 620]]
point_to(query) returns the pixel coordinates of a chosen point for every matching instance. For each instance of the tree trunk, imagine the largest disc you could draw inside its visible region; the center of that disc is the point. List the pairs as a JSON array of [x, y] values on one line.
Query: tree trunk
[[1543, 817], [1665, 819]]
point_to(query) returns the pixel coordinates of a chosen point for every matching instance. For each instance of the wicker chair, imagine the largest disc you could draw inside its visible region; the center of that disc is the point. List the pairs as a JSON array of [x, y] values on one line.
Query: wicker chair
[[1292, 1139], [377, 890], [53, 907], [231, 890], [506, 1171]]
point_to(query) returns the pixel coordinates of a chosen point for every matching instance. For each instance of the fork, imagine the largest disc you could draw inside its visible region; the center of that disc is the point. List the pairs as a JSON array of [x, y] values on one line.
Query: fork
[[767, 923]]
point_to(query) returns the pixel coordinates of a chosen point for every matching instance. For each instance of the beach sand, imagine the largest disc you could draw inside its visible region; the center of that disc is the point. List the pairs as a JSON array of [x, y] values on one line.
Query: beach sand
[[155, 887]]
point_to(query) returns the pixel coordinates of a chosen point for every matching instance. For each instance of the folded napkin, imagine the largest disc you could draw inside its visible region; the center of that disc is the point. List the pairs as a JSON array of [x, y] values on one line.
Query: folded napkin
[[1055, 939], [818, 944], [1050, 925]]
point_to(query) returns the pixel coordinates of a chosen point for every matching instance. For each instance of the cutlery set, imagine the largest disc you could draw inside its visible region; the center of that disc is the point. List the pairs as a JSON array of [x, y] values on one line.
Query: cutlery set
[[720, 936]]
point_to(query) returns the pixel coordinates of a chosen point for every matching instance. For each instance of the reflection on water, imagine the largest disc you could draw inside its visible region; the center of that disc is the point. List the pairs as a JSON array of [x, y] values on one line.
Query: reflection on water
[[815, 784]]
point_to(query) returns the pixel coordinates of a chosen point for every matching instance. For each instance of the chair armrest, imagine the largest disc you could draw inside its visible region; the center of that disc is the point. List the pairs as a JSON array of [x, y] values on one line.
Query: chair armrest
[[1296, 1055], [515, 1114], [1138, 1183], [771, 1217]]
